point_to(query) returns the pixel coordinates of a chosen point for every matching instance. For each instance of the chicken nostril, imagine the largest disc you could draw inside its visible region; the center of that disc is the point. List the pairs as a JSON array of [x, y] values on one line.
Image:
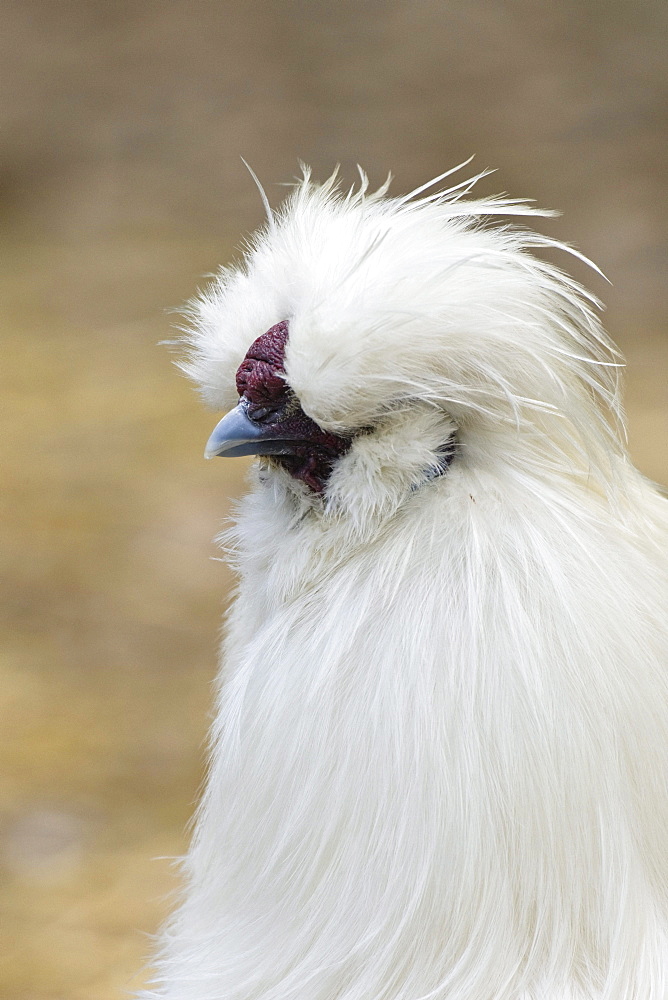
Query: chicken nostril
[[260, 412]]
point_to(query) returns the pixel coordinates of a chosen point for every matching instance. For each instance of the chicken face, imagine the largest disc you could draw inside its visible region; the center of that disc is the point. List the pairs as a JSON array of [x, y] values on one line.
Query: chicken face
[[409, 320], [270, 421]]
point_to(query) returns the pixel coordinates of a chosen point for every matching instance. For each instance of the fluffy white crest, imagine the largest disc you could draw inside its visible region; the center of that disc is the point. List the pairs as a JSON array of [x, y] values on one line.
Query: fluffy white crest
[[438, 765]]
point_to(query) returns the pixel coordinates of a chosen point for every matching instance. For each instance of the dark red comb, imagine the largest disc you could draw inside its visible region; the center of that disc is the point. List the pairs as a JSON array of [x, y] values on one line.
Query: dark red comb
[[259, 376]]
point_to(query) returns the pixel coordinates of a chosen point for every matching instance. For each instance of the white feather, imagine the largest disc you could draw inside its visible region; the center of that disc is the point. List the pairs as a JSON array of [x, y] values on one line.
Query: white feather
[[438, 764]]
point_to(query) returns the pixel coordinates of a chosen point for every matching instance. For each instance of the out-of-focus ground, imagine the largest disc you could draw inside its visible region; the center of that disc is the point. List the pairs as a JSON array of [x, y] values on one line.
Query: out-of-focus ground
[[121, 125]]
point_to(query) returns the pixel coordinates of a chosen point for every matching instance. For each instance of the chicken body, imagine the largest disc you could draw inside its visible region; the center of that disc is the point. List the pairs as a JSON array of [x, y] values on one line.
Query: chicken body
[[438, 765]]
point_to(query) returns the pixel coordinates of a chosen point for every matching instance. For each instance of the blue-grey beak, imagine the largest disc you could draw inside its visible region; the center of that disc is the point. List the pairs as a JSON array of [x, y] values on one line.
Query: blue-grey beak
[[238, 434]]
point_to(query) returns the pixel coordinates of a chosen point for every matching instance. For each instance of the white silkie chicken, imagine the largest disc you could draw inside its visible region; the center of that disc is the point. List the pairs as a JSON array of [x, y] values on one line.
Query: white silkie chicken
[[438, 766]]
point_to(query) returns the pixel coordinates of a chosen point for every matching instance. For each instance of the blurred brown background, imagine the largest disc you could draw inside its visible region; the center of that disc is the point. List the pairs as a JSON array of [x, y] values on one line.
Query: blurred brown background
[[121, 126]]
